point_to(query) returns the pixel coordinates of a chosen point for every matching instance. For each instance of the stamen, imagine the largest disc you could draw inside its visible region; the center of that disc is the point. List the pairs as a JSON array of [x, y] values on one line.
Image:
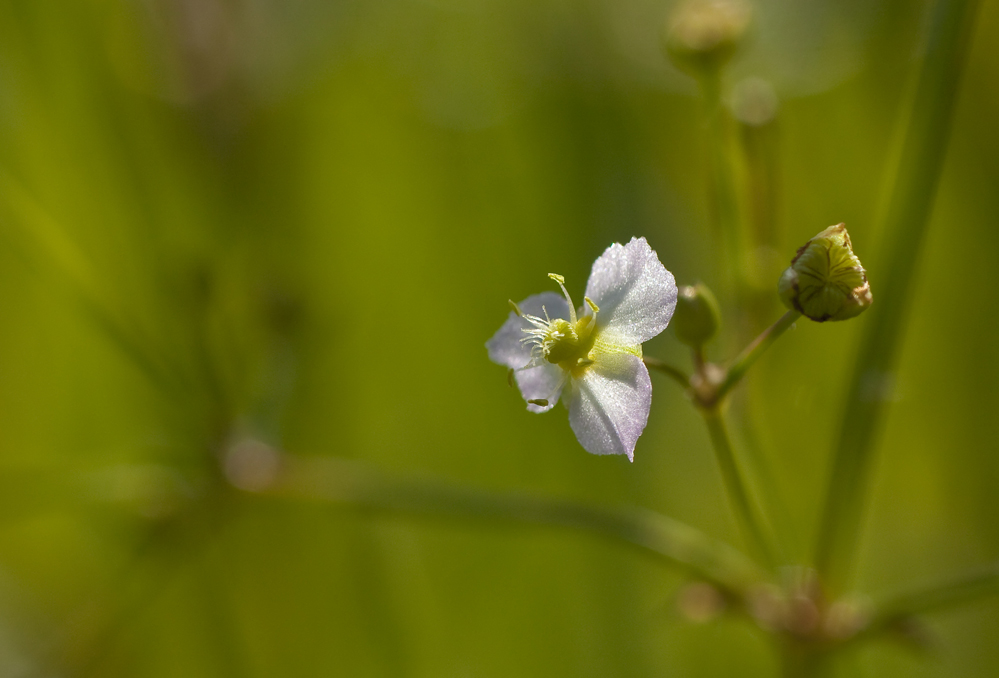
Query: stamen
[[516, 309], [536, 321], [561, 283], [589, 302], [540, 402]]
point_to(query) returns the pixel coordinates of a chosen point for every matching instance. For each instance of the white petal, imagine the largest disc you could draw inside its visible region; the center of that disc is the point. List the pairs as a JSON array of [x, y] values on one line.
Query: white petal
[[543, 382], [609, 404], [635, 293], [506, 347]]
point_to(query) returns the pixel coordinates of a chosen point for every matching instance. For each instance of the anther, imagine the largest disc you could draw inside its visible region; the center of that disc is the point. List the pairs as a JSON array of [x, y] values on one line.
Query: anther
[[540, 402], [516, 309]]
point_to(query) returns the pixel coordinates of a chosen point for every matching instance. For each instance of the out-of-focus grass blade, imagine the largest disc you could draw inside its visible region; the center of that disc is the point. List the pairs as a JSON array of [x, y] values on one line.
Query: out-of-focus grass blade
[[908, 211], [46, 247]]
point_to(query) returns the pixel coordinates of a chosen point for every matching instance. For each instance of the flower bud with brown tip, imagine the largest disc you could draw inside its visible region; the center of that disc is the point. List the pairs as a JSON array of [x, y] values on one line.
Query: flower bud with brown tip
[[826, 280]]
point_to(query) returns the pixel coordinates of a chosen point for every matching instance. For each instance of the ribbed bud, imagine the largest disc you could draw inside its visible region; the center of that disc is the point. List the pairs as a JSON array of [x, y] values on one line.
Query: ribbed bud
[[826, 280], [696, 318], [702, 35]]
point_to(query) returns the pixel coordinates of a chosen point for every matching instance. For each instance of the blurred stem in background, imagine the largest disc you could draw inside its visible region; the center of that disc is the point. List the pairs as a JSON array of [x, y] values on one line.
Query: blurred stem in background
[[895, 615], [754, 108], [910, 204], [799, 662], [701, 38], [724, 200], [340, 481], [36, 236]]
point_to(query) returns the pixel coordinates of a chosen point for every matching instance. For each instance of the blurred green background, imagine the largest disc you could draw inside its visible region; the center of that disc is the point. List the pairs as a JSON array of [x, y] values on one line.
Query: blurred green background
[[298, 221]]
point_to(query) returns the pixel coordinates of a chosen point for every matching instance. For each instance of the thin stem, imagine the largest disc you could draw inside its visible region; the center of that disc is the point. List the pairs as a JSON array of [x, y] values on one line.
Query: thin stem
[[674, 373], [799, 661], [736, 488], [909, 208], [761, 472], [968, 588], [338, 481], [725, 200], [34, 232], [697, 357], [752, 352]]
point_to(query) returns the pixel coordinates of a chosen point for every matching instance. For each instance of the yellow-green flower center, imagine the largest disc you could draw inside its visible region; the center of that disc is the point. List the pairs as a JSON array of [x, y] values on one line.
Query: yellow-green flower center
[[566, 343]]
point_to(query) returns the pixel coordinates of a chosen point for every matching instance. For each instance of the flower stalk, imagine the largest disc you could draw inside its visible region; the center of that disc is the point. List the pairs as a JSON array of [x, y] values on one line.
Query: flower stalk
[[752, 528], [711, 383], [751, 353]]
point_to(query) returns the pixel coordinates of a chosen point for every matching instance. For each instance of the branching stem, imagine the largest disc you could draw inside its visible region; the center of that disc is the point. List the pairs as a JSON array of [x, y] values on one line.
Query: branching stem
[[339, 481], [751, 353]]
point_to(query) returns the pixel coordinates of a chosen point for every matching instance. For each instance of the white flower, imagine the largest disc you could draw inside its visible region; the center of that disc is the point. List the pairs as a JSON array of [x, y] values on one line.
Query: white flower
[[591, 357]]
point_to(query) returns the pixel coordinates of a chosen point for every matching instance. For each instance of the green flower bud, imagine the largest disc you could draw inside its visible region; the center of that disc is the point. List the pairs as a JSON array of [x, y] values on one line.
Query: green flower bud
[[702, 35], [696, 318], [826, 280]]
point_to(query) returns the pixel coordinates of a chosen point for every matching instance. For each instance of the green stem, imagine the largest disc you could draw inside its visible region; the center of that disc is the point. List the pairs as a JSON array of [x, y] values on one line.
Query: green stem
[[736, 488], [675, 373], [751, 353], [968, 588], [761, 469], [45, 244], [338, 481], [724, 198], [800, 661], [909, 208]]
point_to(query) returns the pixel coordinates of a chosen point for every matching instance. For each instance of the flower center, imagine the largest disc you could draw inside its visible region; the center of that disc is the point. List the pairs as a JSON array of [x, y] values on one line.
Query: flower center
[[566, 343]]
